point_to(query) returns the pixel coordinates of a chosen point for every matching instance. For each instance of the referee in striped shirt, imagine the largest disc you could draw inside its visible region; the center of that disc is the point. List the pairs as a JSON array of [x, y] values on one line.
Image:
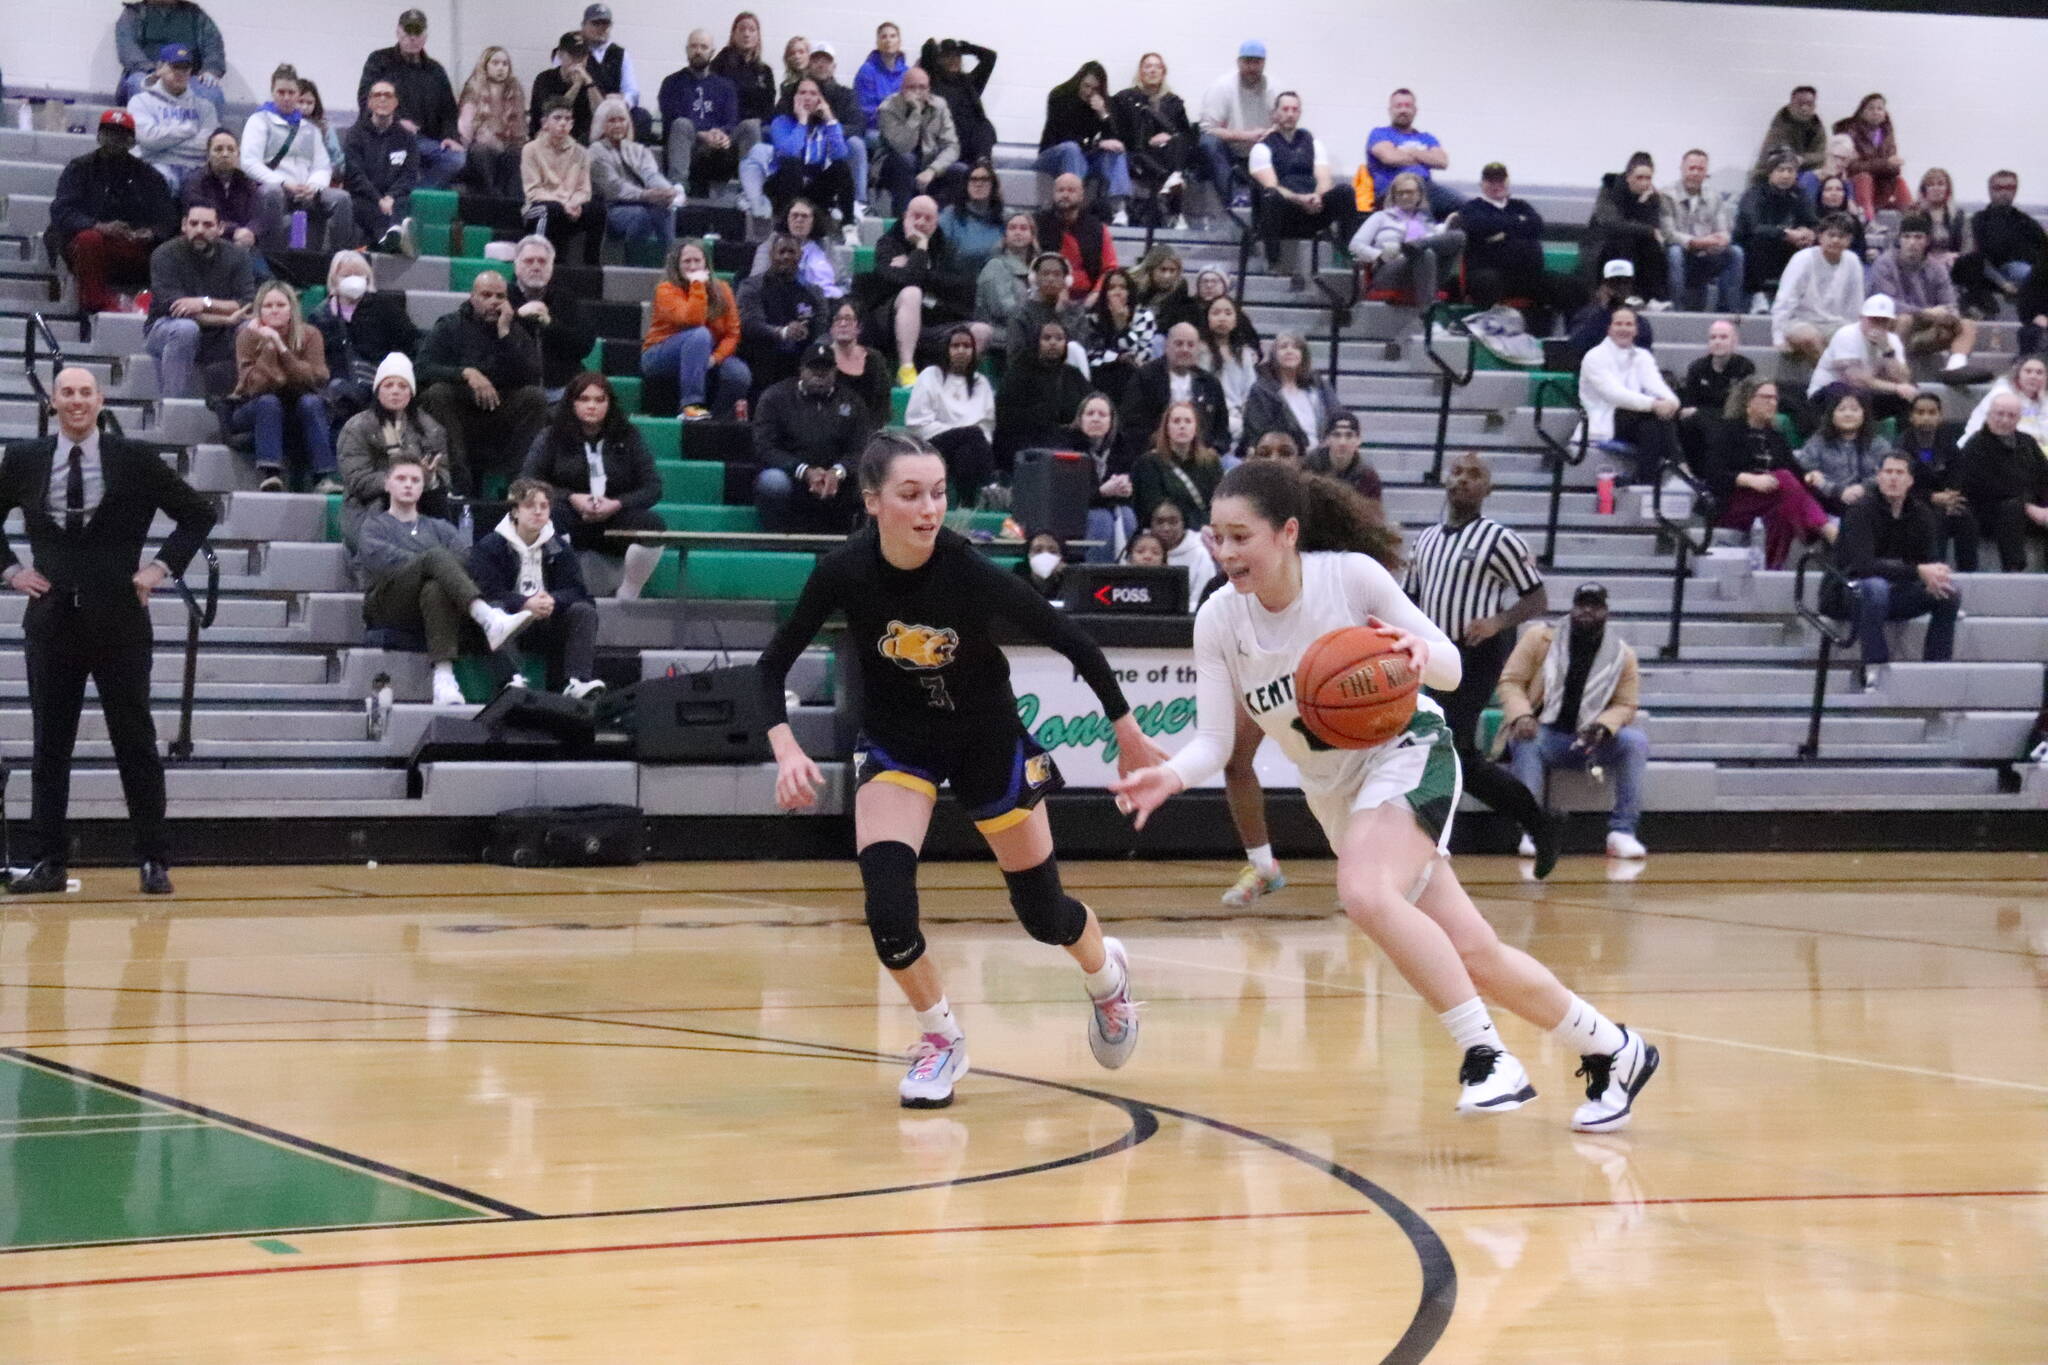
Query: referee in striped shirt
[[1476, 579]]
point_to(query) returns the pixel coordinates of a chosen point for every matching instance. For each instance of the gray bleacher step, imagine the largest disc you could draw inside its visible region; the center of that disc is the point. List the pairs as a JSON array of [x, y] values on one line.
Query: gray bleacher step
[[1918, 686], [118, 333], [1903, 783], [357, 752], [69, 332], [214, 666], [278, 784], [167, 612], [221, 723], [26, 214], [280, 694]]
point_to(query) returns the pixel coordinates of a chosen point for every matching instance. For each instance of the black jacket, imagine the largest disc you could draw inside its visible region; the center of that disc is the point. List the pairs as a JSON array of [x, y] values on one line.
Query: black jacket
[[357, 345], [1111, 460], [459, 341], [1738, 448], [792, 431], [494, 567], [962, 92], [1706, 388], [424, 95], [1036, 404], [1145, 403], [1935, 466], [97, 188], [2007, 233], [99, 562], [1505, 237], [629, 473], [1875, 544], [1266, 409], [567, 338], [771, 302], [755, 82], [1138, 121], [1068, 118], [1766, 211], [177, 271], [374, 164], [1991, 471], [936, 269], [551, 85]]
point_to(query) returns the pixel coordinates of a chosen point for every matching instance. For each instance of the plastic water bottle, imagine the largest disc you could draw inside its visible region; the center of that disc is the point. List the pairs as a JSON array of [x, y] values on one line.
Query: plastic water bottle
[[1756, 545], [468, 525], [298, 237], [377, 707]]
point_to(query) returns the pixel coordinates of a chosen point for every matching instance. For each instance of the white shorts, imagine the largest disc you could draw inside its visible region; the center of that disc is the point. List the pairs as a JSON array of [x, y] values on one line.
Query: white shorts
[[1421, 768]]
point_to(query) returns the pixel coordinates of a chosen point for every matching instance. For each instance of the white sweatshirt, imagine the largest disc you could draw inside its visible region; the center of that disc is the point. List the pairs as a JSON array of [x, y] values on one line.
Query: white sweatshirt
[[1813, 291], [941, 402], [304, 164], [1612, 378]]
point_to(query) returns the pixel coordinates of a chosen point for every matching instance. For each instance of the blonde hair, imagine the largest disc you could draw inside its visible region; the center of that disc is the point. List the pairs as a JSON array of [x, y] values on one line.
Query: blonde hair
[[1408, 180], [295, 334], [349, 258]]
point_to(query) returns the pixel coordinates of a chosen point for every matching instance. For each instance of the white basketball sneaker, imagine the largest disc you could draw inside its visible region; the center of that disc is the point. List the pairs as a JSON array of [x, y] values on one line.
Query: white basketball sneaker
[[1113, 1020], [1493, 1082], [1612, 1084], [935, 1063]]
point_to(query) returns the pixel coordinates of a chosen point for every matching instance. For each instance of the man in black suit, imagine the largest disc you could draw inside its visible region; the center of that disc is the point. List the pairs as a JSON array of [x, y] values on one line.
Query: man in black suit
[[88, 501], [1176, 376]]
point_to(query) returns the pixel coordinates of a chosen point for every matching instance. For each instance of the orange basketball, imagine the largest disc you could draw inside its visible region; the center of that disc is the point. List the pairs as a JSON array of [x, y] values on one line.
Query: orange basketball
[[1354, 689]]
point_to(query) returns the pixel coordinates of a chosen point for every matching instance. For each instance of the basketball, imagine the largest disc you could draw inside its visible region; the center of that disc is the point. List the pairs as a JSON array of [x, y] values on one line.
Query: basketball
[[1354, 689]]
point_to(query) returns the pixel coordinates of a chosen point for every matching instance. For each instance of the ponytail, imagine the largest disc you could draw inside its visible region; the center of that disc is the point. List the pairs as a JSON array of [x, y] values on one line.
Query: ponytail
[[1331, 514]]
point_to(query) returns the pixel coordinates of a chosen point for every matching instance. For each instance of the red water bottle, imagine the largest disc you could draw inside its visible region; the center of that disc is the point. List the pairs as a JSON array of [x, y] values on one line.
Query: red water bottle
[[1605, 493]]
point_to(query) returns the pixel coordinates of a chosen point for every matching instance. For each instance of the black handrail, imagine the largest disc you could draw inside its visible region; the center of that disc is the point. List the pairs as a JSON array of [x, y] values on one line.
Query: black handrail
[[1451, 381], [197, 618], [38, 327], [1832, 635], [1562, 453], [1685, 548]]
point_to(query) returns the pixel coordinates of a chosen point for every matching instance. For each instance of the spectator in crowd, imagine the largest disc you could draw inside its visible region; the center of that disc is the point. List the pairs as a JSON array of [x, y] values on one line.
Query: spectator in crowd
[[974, 221], [1005, 280], [1179, 467], [796, 64], [808, 436], [1292, 167], [612, 68], [1703, 393], [245, 215], [1080, 138], [1568, 700], [1289, 394], [1177, 376], [1152, 123], [286, 155], [1111, 518], [600, 478], [1776, 221], [1699, 239], [1948, 227], [780, 315], [1398, 146], [814, 261], [393, 427], [701, 121], [358, 327], [147, 27], [1868, 356], [280, 376], [109, 213], [1890, 551], [1628, 220], [844, 105], [1075, 233], [1040, 396], [739, 61], [1796, 130], [1168, 524], [1626, 399], [859, 369], [945, 60], [954, 407], [426, 101], [1842, 454], [1750, 470], [1504, 254], [553, 310], [921, 149], [479, 372], [554, 170], [1920, 286], [1934, 445], [171, 118], [570, 82], [1050, 300], [1163, 287], [412, 566], [522, 565], [810, 156], [1237, 113], [881, 75], [380, 170], [922, 285], [1617, 289], [1147, 549], [2006, 245], [640, 203], [1233, 358], [2004, 478], [693, 333], [1820, 293], [314, 111], [490, 123], [199, 291], [2028, 381], [1876, 168], [1340, 458], [1404, 246], [1044, 565], [1833, 198], [1121, 334]]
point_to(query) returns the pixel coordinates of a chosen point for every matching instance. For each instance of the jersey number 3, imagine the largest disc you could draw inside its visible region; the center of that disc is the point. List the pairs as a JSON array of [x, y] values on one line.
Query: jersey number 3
[[936, 695]]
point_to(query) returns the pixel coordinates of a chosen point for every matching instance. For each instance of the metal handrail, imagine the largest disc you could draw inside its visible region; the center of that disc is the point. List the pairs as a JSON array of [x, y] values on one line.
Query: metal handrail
[[1832, 636], [1451, 380], [197, 618], [37, 327], [1684, 547], [1562, 455]]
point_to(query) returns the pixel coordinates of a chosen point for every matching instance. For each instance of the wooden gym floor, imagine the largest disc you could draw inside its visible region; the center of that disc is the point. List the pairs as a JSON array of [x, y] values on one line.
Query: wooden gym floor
[[464, 1114]]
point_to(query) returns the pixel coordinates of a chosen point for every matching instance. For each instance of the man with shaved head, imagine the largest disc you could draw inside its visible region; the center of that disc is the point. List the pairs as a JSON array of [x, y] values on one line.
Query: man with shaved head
[[86, 503], [920, 144], [1176, 377], [701, 111], [924, 287], [480, 377], [1070, 229]]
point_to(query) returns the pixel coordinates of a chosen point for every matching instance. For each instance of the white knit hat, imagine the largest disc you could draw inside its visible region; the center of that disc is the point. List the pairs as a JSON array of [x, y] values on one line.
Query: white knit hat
[[399, 364]]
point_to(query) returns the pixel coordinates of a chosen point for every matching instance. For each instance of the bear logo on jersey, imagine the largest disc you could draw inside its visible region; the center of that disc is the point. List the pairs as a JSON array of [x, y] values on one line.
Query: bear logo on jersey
[[919, 647], [1037, 770]]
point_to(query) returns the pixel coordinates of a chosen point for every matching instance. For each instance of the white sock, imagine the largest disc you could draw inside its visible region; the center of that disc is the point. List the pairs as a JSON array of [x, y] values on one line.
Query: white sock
[[1105, 983], [939, 1019], [641, 561], [1470, 1025], [1261, 858], [444, 675], [480, 612], [1956, 360], [1587, 1031]]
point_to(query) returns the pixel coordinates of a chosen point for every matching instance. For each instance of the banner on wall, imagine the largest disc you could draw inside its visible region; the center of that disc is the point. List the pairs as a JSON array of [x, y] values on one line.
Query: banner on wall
[[1061, 713]]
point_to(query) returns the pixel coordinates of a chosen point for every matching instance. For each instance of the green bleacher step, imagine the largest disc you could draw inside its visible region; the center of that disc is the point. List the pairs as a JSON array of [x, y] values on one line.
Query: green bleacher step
[[698, 516], [628, 391], [754, 575], [1562, 257], [435, 207], [664, 438], [434, 239], [691, 481]]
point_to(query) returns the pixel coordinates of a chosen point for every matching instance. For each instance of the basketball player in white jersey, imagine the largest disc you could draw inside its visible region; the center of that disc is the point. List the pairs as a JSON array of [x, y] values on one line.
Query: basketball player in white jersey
[[1303, 559]]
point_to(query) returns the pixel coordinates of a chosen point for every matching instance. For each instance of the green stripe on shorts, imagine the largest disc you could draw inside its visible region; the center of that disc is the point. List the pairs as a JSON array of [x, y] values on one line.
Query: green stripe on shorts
[[1434, 798]]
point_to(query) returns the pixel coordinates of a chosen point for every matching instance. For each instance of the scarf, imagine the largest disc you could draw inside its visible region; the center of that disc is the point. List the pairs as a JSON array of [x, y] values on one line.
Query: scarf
[[293, 117], [1600, 681]]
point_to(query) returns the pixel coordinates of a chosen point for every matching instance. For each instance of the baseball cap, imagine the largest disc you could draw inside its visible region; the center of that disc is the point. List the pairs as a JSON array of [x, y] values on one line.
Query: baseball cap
[[1251, 47], [1590, 592], [1493, 170], [597, 14], [572, 45], [1346, 420], [819, 357], [1617, 269], [117, 118], [1880, 306], [174, 54], [413, 21], [822, 48]]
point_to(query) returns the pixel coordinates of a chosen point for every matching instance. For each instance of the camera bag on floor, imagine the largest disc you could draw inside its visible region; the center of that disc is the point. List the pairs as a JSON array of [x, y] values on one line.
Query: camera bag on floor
[[568, 836]]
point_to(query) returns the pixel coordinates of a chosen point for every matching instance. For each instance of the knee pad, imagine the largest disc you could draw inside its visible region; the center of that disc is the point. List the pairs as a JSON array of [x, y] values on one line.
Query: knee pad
[[888, 872], [1047, 913]]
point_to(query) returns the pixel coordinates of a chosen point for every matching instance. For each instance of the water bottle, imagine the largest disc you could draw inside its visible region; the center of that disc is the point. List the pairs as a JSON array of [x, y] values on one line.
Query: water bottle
[[467, 525], [1604, 492], [377, 707], [298, 237], [1756, 545]]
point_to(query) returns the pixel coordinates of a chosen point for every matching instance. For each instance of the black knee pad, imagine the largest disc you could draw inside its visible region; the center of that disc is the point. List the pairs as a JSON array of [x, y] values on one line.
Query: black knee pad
[[888, 871], [1047, 913]]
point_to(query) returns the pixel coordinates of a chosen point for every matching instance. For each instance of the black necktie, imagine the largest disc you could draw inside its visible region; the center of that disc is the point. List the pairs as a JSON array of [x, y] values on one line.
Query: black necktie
[[74, 492]]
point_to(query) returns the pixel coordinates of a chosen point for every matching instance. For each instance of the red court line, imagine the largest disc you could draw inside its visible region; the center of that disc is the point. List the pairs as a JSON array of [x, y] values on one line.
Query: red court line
[[690, 1244], [1738, 1199]]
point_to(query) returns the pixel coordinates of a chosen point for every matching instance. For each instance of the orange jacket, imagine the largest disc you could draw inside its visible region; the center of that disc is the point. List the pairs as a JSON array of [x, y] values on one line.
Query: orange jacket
[[678, 309]]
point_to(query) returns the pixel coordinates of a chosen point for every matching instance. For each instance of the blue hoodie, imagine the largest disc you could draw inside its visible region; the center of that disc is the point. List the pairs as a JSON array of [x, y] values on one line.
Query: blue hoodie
[[877, 80]]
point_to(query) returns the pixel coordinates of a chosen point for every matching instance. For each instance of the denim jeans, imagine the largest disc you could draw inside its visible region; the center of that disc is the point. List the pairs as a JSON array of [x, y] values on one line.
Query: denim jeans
[[439, 166], [651, 227], [1879, 600], [1111, 526], [265, 415], [1067, 158], [1215, 161], [175, 344], [687, 355], [1625, 756], [1719, 274]]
